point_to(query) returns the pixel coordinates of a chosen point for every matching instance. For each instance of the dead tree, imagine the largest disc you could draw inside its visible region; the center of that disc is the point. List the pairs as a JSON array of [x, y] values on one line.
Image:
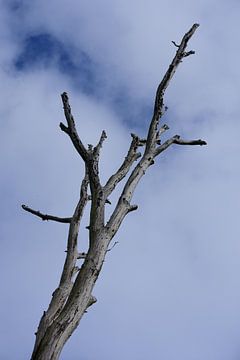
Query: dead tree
[[74, 293]]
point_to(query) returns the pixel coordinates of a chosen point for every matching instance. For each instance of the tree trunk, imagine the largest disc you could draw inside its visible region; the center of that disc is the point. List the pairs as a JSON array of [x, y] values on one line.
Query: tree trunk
[[79, 300]]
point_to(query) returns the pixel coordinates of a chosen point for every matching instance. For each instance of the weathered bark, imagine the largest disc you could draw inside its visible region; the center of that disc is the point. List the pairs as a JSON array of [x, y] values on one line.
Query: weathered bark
[[74, 293], [78, 301]]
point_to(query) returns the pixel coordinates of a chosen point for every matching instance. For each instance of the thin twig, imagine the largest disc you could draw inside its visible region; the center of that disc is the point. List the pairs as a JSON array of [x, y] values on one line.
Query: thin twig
[[116, 242], [175, 44], [46, 216]]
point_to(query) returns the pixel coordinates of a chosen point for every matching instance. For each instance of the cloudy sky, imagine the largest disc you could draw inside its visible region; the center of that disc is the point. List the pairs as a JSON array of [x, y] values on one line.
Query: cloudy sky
[[170, 289]]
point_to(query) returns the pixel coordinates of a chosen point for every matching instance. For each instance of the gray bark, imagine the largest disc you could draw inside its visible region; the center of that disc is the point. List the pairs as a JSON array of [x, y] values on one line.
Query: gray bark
[[74, 293]]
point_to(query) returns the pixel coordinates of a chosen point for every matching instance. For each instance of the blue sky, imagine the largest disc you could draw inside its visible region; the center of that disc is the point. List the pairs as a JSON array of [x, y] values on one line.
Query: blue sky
[[170, 289], [43, 50]]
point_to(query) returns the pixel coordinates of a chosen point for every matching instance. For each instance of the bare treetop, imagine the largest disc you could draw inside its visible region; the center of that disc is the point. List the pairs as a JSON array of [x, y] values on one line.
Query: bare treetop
[[74, 294]]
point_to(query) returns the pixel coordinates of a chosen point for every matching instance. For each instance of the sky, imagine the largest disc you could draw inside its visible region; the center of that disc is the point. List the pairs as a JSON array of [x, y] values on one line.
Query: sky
[[170, 288]]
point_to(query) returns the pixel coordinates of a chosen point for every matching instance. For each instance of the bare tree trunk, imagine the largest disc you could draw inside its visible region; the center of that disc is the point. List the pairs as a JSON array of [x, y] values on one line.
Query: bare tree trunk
[[80, 299], [74, 294]]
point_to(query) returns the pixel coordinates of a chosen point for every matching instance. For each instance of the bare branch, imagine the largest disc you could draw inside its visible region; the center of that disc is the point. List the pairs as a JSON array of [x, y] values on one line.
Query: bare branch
[[65, 286], [72, 251], [64, 128], [177, 140], [159, 105], [132, 156], [71, 128], [93, 163], [46, 216], [98, 198], [97, 148], [116, 242], [122, 207], [190, 142], [175, 44], [165, 145], [173, 66]]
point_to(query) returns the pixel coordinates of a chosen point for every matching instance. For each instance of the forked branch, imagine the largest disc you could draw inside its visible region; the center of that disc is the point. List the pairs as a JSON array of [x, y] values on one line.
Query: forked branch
[[153, 147], [159, 104], [71, 128]]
